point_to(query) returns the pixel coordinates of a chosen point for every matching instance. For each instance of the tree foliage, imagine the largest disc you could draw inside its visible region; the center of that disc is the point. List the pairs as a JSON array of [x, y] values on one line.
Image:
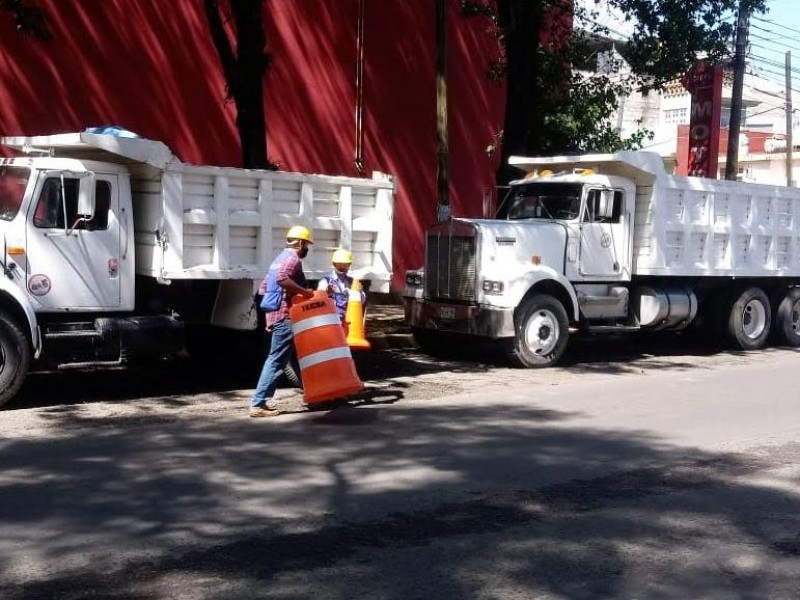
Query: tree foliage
[[553, 108]]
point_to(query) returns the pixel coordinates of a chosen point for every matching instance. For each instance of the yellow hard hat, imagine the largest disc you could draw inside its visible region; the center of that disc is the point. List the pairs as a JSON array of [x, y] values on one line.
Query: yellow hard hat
[[342, 257], [298, 232]]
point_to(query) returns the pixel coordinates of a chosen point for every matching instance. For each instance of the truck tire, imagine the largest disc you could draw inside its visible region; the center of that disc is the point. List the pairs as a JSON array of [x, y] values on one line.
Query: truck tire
[[542, 331], [786, 320], [749, 319], [15, 357]]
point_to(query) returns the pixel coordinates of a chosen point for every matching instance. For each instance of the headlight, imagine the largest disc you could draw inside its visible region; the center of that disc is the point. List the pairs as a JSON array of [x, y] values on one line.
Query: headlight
[[492, 287], [414, 278]]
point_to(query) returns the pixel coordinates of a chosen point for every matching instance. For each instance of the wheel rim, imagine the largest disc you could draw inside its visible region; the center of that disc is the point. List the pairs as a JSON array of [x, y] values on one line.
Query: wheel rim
[[754, 319], [795, 317], [542, 332]]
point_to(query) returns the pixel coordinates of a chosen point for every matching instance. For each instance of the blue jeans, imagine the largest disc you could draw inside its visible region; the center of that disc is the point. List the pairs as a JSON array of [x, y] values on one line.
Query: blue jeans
[[280, 352]]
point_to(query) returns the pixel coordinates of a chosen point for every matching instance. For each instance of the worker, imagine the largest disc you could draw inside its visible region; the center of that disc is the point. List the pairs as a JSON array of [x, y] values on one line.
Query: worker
[[338, 282], [284, 280]]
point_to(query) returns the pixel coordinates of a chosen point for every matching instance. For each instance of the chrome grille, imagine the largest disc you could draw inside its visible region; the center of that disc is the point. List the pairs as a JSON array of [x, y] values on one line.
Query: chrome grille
[[450, 267]]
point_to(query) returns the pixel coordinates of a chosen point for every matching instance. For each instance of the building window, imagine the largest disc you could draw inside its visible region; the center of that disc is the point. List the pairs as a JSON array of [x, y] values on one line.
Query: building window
[[676, 116], [725, 117]]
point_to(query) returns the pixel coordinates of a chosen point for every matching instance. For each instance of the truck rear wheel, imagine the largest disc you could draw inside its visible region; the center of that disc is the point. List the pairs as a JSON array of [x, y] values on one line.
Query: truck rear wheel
[[15, 357], [786, 321], [542, 331], [749, 318]]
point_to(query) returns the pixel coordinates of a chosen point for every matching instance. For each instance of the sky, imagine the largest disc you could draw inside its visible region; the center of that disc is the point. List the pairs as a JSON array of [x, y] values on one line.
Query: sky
[[772, 35], [784, 12]]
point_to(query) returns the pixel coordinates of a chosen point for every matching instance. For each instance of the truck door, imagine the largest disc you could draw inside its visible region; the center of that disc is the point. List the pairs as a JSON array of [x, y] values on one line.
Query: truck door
[[603, 247], [73, 262]]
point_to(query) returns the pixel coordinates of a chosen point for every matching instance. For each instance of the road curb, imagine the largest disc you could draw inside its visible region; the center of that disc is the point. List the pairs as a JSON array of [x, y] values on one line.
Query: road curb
[[390, 341]]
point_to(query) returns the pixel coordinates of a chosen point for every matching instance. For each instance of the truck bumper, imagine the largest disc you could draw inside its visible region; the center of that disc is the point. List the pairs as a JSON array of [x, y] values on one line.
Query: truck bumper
[[468, 319]]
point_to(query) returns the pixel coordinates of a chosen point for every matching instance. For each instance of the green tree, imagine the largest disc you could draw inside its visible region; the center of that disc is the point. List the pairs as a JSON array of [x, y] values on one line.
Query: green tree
[[550, 107]]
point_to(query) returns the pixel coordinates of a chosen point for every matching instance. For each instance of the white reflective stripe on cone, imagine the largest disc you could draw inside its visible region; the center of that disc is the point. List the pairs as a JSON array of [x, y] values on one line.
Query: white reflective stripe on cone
[[324, 356], [312, 322]]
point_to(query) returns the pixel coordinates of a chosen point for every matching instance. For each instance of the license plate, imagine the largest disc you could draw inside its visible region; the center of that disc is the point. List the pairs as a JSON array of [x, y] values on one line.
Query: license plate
[[447, 312]]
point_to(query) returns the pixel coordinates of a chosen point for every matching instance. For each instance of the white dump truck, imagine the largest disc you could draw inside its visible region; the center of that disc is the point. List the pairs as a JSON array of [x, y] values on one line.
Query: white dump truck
[[612, 243], [114, 249]]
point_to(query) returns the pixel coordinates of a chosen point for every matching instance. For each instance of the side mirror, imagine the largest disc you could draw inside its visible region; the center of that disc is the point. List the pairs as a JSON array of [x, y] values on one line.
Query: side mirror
[[86, 199]]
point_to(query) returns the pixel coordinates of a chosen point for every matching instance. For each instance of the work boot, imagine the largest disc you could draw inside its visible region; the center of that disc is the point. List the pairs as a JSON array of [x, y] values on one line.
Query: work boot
[[264, 411]]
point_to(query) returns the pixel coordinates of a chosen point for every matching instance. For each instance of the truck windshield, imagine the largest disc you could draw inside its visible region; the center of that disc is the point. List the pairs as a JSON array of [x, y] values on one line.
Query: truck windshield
[[542, 201], [12, 189]]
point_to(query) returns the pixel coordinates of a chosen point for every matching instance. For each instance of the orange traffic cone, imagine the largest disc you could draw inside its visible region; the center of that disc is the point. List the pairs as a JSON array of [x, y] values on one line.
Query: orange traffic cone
[[326, 365], [354, 317]]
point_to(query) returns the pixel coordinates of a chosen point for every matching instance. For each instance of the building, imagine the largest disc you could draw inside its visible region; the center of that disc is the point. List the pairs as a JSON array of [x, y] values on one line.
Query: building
[[762, 140]]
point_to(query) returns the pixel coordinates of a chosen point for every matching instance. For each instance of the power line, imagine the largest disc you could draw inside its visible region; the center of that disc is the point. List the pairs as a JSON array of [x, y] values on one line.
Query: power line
[[771, 31], [781, 54], [768, 22], [773, 63], [775, 44], [757, 65]]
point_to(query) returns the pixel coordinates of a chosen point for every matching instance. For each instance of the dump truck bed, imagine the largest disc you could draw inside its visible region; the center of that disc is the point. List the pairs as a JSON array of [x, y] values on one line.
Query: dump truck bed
[[206, 222]]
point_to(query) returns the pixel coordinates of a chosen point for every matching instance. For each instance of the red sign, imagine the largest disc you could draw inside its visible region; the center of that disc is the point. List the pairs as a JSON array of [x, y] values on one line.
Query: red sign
[[704, 82]]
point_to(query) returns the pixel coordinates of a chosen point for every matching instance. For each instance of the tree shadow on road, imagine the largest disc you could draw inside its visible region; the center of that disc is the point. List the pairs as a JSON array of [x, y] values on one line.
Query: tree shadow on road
[[171, 380], [504, 498]]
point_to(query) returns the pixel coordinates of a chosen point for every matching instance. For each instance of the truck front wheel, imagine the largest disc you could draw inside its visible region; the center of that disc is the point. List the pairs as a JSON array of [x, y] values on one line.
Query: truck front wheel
[[542, 330], [15, 357], [749, 319]]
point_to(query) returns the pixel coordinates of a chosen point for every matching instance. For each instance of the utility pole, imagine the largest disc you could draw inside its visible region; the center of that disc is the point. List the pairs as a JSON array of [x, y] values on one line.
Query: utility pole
[[732, 156], [789, 144], [442, 150]]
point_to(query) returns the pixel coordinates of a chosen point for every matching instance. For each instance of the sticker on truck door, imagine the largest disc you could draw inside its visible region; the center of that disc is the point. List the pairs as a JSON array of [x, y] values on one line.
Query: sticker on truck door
[[113, 267], [39, 285]]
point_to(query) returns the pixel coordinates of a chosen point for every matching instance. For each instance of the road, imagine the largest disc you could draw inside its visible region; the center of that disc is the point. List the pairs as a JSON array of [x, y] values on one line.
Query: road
[[639, 470]]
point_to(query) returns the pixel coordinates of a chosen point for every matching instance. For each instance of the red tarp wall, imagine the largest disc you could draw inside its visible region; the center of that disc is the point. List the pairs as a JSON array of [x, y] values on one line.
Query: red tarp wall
[[149, 66]]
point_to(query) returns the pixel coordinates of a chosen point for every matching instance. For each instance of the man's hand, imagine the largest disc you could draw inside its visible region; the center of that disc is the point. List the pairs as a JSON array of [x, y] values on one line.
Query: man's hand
[[293, 289]]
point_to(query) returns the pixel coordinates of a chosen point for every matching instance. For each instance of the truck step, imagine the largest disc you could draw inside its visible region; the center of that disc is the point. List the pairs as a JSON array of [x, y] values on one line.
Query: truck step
[[88, 364], [86, 333]]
